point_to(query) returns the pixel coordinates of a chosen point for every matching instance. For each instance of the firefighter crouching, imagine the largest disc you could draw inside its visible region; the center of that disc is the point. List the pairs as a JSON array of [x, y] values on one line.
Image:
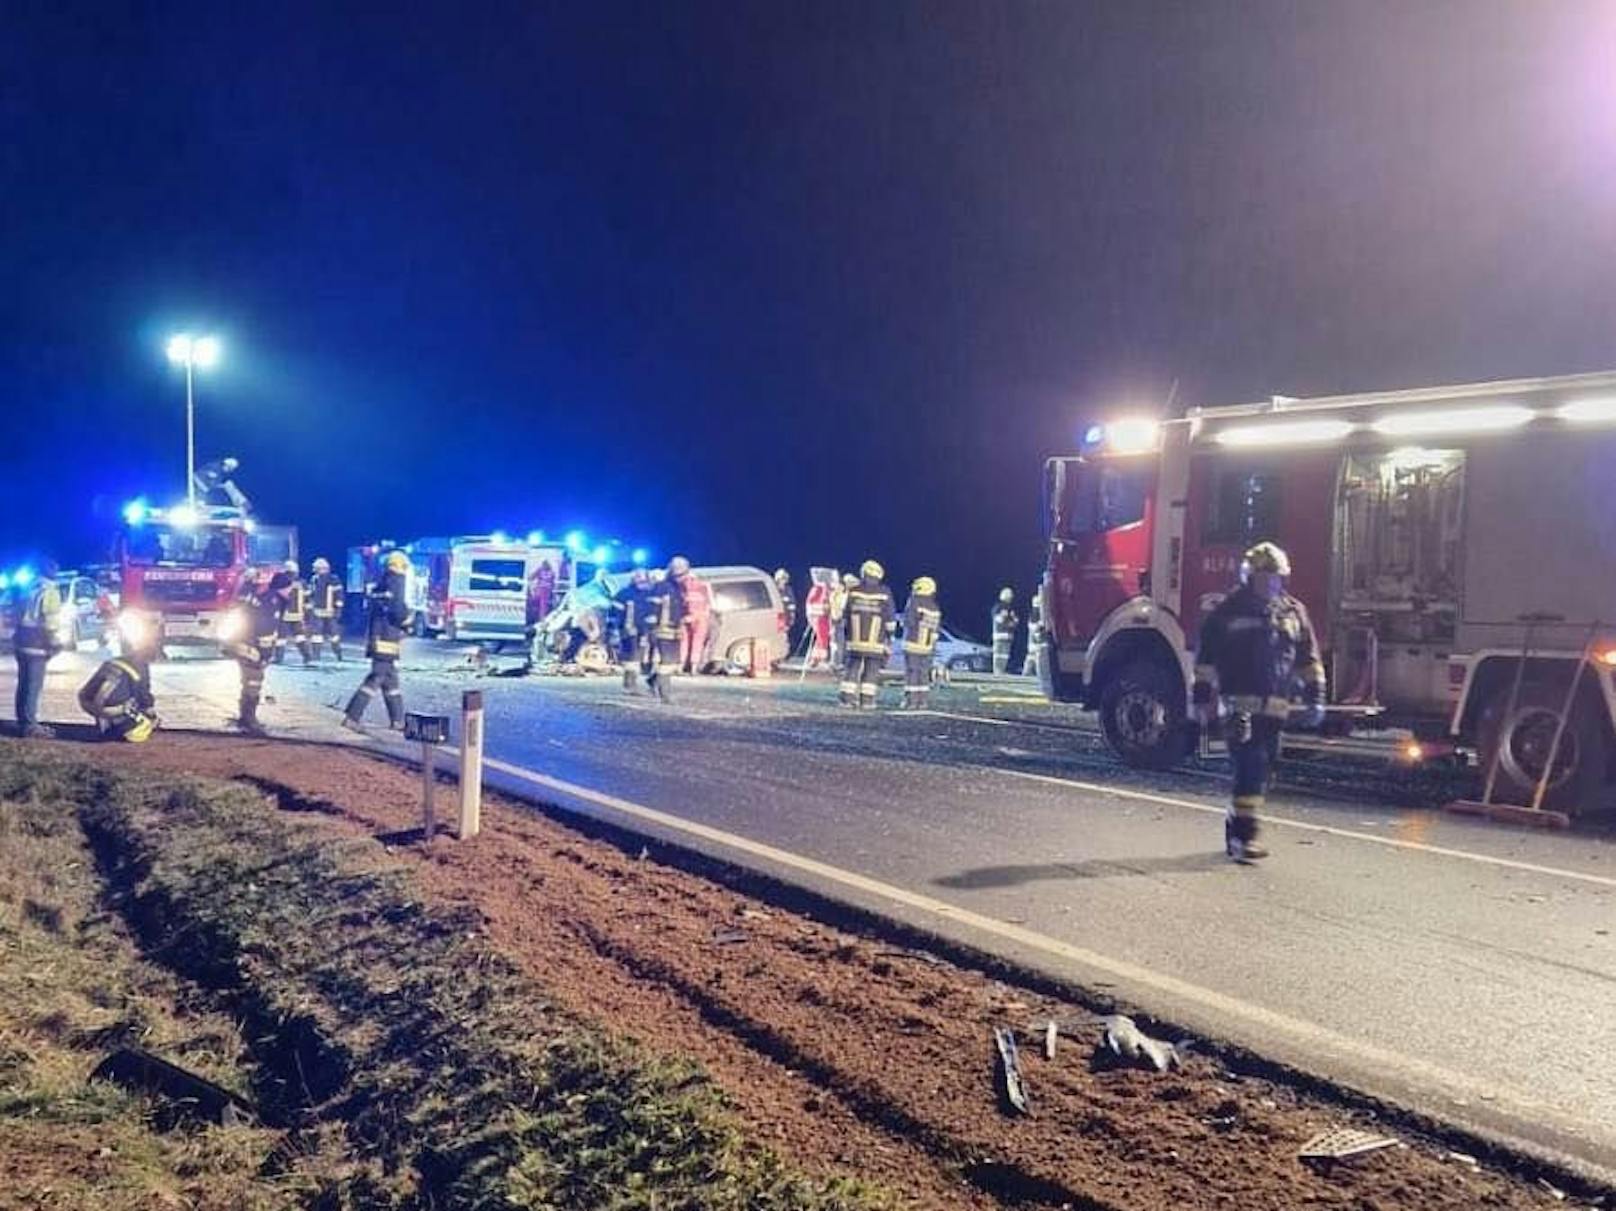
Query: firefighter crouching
[[257, 631], [34, 643], [633, 602], [293, 627], [869, 621], [118, 695], [1255, 647], [388, 617], [1004, 630], [326, 599], [921, 620], [662, 626]]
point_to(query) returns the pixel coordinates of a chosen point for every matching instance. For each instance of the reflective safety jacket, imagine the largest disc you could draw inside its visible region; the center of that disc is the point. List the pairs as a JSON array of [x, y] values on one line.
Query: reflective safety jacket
[[817, 603], [388, 619], [1256, 652], [921, 622], [326, 595], [666, 609], [261, 625], [698, 597], [41, 615], [634, 605], [296, 606], [1004, 622], [870, 618]]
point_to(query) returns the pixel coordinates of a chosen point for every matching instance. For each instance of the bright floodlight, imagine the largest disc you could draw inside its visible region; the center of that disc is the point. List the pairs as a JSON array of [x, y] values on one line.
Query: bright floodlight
[[1284, 433], [535, 537], [135, 512], [180, 349], [1490, 419], [182, 517], [205, 352], [499, 538], [1132, 435]]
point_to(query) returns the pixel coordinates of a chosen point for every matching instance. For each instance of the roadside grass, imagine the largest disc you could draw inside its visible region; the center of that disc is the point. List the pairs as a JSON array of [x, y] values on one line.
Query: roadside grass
[[74, 986], [447, 1072]]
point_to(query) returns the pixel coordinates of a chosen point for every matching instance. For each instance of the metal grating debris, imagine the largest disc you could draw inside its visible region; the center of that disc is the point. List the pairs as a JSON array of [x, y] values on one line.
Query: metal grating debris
[[1343, 1142]]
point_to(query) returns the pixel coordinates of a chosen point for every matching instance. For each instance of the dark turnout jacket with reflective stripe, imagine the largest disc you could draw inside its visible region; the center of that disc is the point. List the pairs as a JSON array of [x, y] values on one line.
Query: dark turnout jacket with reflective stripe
[[870, 617], [1256, 653], [389, 617], [665, 609], [921, 620]]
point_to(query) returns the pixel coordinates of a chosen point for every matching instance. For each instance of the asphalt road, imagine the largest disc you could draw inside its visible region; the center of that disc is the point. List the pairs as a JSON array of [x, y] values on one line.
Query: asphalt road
[[1456, 967]]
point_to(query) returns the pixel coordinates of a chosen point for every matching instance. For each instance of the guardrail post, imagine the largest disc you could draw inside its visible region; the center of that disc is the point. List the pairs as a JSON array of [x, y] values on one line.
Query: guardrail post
[[471, 764]]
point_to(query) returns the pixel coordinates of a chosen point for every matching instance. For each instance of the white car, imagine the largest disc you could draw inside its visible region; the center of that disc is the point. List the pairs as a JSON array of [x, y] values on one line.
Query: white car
[[954, 652]]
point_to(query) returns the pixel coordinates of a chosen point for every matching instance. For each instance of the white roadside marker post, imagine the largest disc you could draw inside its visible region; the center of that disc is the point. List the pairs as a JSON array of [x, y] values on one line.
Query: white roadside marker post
[[431, 731], [471, 764]]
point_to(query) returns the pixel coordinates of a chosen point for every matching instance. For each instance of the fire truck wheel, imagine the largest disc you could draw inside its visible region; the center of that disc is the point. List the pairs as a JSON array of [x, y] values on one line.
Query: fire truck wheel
[[1522, 742], [1142, 715]]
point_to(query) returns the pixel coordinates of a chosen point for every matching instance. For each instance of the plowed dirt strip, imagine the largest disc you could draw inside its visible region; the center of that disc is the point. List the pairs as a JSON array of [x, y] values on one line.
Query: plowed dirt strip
[[846, 1055]]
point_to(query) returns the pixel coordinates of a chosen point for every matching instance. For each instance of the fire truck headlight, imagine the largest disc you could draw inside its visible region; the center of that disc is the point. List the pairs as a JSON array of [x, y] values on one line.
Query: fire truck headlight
[[232, 626], [134, 629]]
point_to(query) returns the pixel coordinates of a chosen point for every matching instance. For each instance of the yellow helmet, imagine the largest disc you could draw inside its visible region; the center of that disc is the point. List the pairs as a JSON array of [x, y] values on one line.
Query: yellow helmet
[[1007, 595], [871, 570], [924, 586], [142, 729], [397, 561], [1267, 557]]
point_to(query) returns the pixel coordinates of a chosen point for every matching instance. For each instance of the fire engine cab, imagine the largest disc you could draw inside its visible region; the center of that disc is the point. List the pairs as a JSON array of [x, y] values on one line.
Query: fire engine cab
[[1456, 547]]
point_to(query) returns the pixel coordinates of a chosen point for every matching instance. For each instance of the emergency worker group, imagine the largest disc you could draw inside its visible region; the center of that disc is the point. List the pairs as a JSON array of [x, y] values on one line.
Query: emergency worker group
[[1257, 651]]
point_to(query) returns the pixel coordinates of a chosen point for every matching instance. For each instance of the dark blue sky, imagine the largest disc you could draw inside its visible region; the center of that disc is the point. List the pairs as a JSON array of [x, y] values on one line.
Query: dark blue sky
[[758, 281]]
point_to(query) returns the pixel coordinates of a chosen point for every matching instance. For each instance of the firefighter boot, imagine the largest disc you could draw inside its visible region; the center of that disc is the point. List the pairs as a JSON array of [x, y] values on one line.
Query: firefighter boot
[[631, 679], [248, 721], [395, 709], [1240, 835]]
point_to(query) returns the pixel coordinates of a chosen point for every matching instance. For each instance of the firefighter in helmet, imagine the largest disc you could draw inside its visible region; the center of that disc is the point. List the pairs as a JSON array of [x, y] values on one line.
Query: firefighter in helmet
[[254, 632], [118, 695], [1005, 620], [633, 603], [292, 629], [788, 601], [921, 621], [1257, 649], [388, 619], [326, 599], [868, 623], [662, 624]]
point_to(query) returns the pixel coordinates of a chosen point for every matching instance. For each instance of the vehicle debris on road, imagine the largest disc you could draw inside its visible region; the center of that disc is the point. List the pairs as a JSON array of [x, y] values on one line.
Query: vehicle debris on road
[[1012, 1090], [1124, 1043], [1344, 1142]]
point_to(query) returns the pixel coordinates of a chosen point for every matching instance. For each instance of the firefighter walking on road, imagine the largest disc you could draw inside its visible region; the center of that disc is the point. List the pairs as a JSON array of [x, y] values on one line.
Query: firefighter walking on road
[[663, 628], [293, 627], [326, 599], [118, 695], [34, 643], [921, 621], [1256, 648], [1005, 621], [388, 616], [254, 646], [868, 623]]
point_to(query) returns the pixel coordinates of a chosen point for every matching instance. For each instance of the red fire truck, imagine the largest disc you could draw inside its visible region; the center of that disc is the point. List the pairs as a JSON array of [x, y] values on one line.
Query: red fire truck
[[1455, 545], [187, 565]]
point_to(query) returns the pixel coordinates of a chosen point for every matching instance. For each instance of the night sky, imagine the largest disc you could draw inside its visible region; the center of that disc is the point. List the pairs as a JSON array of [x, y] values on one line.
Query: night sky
[[761, 282]]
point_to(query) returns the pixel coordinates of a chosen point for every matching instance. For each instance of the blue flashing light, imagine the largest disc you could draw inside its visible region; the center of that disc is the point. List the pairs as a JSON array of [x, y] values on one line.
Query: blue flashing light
[[640, 556], [1094, 435], [5, 582], [576, 541], [499, 538], [136, 511], [23, 577], [535, 537], [602, 555]]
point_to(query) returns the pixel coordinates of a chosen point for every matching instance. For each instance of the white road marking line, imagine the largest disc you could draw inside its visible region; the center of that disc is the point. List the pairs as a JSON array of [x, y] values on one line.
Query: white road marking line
[[1315, 1037], [1285, 821], [1306, 826]]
